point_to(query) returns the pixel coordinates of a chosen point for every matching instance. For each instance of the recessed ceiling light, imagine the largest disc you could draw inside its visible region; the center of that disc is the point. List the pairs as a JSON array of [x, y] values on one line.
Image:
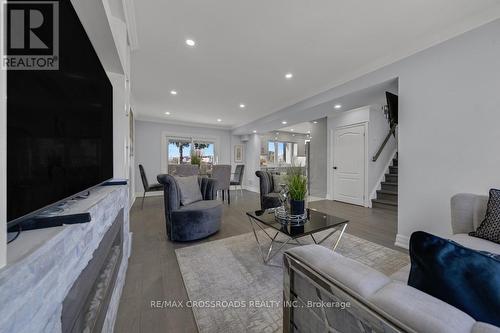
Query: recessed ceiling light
[[190, 42], [255, 131], [167, 113], [242, 106], [288, 76], [338, 106], [315, 122], [291, 129], [219, 120], [284, 122], [173, 92], [308, 131], [293, 134]]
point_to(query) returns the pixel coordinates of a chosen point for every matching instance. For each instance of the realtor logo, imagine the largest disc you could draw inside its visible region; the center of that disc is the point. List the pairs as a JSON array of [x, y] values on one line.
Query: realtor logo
[[30, 35]]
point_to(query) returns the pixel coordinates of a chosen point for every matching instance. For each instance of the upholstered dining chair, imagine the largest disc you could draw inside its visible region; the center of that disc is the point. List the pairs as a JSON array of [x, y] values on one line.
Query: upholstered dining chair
[[238, 177], [222, 173], [146, 185], [183, 170]]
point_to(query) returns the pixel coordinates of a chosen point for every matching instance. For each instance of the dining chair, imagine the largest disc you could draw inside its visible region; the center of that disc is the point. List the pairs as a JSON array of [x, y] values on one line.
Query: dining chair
[[146, 185], [222, 173], [238, 177]]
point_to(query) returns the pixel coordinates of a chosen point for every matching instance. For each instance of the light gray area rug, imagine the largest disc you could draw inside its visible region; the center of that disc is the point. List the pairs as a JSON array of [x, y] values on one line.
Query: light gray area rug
[[232, 270]]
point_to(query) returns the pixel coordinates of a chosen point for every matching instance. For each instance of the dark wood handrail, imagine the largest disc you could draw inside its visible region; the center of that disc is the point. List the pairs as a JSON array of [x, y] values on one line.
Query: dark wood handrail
[[379, 151]]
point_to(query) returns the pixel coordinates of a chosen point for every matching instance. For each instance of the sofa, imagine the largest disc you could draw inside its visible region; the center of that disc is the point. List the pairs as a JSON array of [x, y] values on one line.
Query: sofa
[[377, 302], [197, 220], [268, 197]]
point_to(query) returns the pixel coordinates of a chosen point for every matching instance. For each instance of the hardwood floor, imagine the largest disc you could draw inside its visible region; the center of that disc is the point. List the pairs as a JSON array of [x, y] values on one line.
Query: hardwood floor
[[153, 272]]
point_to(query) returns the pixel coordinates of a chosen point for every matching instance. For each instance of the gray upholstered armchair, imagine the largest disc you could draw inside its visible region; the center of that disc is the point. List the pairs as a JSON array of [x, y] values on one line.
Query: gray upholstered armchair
[[196, 220], [268, 198]]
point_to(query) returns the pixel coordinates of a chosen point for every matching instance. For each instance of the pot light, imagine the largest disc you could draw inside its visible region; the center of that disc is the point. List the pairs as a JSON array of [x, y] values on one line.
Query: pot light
[[242, 106], [190, 42], [255, 131], [284, 122], [167, 113], [308, 131], [338, 106], [173, 92], [219, 120], [291, 129], [288, 76], [315, 122]]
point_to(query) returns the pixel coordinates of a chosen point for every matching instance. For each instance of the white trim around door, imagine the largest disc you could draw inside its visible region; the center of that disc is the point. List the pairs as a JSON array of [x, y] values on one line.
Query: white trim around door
[[350, 182]]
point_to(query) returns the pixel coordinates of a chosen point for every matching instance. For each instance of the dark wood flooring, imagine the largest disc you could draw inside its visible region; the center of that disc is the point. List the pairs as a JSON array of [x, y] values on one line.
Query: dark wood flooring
[[153, 272]]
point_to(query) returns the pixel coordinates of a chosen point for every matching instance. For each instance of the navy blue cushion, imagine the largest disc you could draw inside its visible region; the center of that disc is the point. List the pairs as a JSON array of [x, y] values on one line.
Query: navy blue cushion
[[467, 279]]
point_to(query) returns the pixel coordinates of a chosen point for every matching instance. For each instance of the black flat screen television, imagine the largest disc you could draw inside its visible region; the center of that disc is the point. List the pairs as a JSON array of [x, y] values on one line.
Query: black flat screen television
[[59, 125], [392, 104]]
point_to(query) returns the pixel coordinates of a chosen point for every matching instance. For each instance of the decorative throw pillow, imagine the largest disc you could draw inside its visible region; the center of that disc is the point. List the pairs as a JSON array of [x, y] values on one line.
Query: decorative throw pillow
[[464, 278], [278, 180], [490, 227], [189, 188]]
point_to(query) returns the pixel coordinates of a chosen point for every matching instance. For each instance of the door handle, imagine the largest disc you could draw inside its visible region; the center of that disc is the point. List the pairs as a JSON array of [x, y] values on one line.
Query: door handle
[[334, 168]]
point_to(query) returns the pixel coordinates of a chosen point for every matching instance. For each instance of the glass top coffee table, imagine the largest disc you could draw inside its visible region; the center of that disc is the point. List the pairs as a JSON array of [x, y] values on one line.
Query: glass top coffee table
[[315, 222]]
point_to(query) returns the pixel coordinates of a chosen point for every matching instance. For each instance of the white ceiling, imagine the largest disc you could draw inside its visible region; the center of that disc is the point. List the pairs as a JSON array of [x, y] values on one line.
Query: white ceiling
[[301, 128], [244, 49]]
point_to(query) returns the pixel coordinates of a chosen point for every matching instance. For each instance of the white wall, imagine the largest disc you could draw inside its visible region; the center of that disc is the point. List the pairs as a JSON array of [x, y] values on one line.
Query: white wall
[[449, 127], [448, 124], [3, 167], [148, 145], [318, 159], [120, 127], [252, 163]]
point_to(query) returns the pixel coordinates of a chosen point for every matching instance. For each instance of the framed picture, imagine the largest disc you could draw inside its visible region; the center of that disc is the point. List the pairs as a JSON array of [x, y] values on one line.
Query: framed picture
[[238, 153]]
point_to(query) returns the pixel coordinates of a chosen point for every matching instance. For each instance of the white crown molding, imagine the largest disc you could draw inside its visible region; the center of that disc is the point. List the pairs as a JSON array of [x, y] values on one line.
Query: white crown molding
[[179, 122], [133, 37]]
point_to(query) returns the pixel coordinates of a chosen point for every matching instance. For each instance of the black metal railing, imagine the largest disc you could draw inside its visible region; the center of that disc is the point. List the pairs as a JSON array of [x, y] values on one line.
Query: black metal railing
[[379, 151]]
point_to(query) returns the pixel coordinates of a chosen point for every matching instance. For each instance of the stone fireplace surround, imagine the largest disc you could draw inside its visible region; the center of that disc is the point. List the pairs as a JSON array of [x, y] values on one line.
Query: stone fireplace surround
[[43, 265]]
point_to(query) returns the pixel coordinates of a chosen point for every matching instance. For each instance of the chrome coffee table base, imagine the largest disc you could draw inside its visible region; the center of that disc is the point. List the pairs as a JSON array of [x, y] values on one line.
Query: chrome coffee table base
[[269, 254]]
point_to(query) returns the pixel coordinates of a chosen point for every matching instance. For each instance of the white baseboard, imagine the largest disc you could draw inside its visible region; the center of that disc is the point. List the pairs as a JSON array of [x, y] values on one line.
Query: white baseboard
[[131, 234], [134, 196], [402, 241], [149, 194]]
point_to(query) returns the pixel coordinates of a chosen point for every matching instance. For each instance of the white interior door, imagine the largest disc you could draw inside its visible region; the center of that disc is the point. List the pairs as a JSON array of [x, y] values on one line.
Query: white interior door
[[349, 164]]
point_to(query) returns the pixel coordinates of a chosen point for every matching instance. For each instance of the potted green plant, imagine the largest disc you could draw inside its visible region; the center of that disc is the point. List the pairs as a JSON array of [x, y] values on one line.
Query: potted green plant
[[195, 159], [297, 187]]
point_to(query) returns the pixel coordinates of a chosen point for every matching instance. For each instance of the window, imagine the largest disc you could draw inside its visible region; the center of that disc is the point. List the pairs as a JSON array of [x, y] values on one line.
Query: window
[[282, 152], [180, 151], [271, 151], [205, 150]]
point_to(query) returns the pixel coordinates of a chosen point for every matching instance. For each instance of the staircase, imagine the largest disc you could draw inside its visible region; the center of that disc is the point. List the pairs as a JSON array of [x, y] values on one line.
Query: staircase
[[387, 196]]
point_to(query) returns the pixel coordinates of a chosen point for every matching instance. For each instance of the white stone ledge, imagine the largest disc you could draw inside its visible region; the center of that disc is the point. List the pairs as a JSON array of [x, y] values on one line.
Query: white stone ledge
[[43, 265]]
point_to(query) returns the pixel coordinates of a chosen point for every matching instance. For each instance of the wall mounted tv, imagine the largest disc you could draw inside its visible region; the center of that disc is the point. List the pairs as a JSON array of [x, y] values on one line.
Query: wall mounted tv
[[59, 125], [392, 104]]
